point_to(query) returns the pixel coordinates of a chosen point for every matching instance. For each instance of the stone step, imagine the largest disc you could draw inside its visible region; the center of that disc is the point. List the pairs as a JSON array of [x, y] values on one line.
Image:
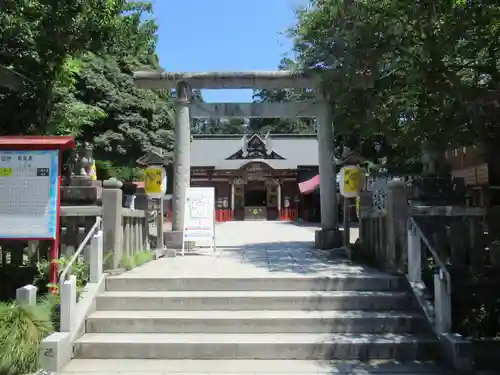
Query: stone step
[[254, 322], [262, 300], [373, 282], [249, 367], [254, 346]]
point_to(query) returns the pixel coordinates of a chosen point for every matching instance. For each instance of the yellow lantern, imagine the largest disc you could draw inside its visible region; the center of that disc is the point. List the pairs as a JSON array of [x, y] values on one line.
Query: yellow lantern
[[350, 181], [93, 171], [155, 181]]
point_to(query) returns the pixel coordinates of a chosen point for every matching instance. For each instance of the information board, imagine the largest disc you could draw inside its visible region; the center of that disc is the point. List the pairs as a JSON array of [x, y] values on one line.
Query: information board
[[29, 193], [199, 216]]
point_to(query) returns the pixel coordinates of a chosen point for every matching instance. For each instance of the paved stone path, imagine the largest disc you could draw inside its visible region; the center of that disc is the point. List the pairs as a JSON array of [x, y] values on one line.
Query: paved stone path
[[252, 249]]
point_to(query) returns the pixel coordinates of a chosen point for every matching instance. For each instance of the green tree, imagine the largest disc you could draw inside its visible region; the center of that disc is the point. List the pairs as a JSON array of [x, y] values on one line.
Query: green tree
[[282, 126], [411, 71], [216, 126], [77, 58]]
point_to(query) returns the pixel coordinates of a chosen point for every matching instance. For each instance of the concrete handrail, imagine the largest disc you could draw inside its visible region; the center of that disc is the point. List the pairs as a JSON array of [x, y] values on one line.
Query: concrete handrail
[[442, 265], [442, 279], [68, 286], [95, 227]]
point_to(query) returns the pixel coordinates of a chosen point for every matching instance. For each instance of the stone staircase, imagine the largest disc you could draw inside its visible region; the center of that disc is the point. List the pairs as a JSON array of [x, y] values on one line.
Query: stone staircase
[[349, 317]]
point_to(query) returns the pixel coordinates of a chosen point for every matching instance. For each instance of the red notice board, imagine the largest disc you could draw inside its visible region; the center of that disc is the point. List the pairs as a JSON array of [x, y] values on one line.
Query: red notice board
[[30, 189]]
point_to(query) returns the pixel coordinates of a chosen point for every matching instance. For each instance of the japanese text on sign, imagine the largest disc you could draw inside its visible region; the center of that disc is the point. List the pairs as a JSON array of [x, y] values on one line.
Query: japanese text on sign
[[29, 189], [155, 181], [350, 181], [199, 214]]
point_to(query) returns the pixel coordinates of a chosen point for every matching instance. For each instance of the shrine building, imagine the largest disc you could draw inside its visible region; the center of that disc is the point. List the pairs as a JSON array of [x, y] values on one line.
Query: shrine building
[[257, 177]]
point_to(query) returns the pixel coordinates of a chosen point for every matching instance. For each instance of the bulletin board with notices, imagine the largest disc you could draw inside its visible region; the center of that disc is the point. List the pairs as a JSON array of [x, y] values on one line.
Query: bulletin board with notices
[[29, 191]]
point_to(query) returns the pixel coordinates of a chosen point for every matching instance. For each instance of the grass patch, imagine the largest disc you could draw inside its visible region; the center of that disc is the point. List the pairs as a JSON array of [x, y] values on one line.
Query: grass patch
[[22, 328], [136, 260]]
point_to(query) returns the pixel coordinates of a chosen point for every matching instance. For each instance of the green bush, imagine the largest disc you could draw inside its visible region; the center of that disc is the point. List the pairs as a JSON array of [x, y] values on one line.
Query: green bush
[[136, 260], [106, 169], [22, 328], [79, 268]]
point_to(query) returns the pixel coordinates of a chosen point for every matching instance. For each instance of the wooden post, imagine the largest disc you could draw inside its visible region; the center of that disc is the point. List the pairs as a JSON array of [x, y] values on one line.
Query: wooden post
[[345, 218], [160, 226]]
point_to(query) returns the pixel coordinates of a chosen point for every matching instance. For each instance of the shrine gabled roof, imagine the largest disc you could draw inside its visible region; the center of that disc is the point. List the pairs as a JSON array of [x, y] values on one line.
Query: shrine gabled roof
[[213, 150]]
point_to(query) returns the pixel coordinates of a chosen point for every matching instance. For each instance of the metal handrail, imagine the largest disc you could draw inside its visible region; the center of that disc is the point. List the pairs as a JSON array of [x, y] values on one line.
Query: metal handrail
[[89, 235], [442, 265]]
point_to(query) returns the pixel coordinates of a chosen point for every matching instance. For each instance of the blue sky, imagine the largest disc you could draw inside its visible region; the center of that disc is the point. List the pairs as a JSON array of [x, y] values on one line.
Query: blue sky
[[223, 35]]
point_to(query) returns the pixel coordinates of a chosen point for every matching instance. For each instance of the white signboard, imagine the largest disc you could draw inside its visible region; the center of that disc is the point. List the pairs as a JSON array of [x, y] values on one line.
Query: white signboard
[[29, 191], [199, 216]]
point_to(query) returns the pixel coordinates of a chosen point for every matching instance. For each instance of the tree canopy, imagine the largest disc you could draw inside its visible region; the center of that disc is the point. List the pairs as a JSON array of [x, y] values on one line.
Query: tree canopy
[[399, 74], [75, 58], [423, 74]]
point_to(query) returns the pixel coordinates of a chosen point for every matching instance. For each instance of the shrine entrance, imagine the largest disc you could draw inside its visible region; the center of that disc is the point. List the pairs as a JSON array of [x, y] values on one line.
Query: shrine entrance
[[260, 187], [188, 108], [255, 201]]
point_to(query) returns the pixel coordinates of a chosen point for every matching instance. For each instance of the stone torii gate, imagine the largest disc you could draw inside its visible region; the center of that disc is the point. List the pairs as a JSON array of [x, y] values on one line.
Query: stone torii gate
[[326, 238]]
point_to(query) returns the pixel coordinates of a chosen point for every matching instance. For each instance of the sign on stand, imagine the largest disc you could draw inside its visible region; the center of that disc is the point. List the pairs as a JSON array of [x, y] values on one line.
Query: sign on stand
[[29, 187], [199, 216]]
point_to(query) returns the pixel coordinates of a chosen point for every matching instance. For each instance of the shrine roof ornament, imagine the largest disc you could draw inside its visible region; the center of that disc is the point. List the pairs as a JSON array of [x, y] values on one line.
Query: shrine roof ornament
[[255, 148], [155, 157]]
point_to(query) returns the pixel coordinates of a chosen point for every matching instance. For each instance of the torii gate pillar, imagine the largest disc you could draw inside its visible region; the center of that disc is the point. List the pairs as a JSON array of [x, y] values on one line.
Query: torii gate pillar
[[329, 236], [182, 155]]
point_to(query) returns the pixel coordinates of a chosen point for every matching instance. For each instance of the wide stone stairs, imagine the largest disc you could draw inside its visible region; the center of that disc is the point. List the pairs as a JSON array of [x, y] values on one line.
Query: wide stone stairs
[[362, 317]]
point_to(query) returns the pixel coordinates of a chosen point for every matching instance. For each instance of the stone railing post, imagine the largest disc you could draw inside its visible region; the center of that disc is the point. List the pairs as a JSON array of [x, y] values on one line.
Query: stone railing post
[[26, 295], [112, 221], [68, 303], [414, 254], [365, 203], [397, 216], [442, 302], [96, 257]]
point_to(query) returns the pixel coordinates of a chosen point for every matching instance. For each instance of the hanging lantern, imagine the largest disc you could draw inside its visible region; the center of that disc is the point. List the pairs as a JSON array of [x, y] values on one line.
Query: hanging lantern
[[350, 181], [155, 181]]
